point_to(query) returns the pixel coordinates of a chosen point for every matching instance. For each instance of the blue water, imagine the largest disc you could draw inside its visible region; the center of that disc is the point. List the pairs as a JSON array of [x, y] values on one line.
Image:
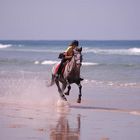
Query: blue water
[[103, 61], [110, 93]]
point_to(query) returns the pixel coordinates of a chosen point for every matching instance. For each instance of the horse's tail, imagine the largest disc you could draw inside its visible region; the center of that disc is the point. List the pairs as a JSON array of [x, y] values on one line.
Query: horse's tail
[[52, 82], [54, 71]]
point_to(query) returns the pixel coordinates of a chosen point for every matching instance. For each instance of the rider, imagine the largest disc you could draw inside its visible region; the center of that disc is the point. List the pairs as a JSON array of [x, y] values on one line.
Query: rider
[[67, 55]]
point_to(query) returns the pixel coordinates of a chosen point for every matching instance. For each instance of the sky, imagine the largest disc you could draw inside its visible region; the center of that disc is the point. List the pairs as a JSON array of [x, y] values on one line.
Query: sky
[[69, 19]]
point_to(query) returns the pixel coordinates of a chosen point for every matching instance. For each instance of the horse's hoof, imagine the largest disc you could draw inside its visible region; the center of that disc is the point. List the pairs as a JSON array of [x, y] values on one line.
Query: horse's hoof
[[64, 98], [79, 101]]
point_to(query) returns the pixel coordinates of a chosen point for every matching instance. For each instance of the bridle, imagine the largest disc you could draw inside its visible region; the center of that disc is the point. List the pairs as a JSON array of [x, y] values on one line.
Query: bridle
[[78, 56]]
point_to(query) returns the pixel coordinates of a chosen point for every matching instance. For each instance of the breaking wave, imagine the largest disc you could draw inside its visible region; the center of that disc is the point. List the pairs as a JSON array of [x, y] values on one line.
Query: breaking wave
[[111, 83], [3, 46], [129, 51], [49, 49], [51, 62]]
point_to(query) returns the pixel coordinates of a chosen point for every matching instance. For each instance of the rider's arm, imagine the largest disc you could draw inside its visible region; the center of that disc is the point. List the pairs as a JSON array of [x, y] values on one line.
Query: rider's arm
[[68, 57], [68, 53]]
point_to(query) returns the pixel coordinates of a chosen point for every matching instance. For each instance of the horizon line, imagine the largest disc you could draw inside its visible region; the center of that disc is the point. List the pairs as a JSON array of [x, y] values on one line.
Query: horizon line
[[69, 39]]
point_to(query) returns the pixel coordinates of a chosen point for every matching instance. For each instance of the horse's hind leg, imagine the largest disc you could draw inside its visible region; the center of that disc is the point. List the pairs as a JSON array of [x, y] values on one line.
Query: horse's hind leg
[[63, 87], [80, 93], [60, 91]]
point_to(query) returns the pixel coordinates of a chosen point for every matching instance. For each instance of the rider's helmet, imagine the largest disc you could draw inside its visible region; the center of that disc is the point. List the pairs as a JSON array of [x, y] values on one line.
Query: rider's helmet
[[74, 43]]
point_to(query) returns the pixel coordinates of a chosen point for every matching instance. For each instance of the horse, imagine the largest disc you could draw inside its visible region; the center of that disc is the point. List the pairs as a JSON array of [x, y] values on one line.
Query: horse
[[70, 74]]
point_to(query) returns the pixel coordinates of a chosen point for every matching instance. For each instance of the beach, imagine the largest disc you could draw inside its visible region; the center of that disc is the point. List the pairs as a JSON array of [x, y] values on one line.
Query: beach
[[109, 109], [103, 117]]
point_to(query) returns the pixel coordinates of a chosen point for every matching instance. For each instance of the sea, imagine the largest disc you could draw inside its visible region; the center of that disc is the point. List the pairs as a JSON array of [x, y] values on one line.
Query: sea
[[109, 108], [106, 63]]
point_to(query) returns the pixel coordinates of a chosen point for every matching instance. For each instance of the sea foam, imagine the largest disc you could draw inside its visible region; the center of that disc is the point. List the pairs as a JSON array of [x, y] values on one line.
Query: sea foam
[[49, 62], [3, 46], [52, 62], [129, 51]]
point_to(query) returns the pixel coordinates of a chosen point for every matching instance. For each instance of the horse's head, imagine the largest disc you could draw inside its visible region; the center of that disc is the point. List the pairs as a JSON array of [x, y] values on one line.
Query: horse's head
[[79, 49], [78, 55]]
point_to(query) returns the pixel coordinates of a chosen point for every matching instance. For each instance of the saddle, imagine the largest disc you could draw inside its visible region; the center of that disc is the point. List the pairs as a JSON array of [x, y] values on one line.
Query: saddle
[[57, 67]]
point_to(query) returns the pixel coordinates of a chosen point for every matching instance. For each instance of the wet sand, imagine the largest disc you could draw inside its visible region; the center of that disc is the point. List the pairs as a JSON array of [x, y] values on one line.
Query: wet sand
[[106, 113]]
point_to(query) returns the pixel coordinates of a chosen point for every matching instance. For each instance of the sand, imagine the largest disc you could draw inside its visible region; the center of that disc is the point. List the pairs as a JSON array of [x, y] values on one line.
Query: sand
[[106, 113]]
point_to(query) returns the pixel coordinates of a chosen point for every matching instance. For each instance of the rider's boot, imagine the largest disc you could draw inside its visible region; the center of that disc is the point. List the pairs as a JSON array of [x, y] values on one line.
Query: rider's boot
[[81, 79], [57, 75], [59, 71]]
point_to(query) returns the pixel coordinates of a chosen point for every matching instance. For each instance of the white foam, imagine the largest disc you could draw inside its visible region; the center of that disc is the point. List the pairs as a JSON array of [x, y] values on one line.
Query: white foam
[[49, 62], [110, 83], [62, 103], [135, 112], [135, 51], [52, 62], [129, 51], [46, 62], [3, 46], [89, 64], [36, 62]]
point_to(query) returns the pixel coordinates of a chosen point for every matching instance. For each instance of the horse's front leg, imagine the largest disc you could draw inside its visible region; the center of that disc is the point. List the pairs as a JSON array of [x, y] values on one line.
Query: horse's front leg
[[69, 88], [68, 91], [80, 93], [60, 90]]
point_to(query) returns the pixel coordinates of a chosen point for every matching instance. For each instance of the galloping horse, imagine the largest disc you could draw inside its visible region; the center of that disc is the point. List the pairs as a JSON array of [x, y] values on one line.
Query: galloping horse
[[70, 74]]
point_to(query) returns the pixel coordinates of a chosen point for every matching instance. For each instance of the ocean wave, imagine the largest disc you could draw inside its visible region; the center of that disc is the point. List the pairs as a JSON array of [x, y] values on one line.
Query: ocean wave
[[129, 51], [135, 112], [3, 46], [20, 49], [111, 83], [51, 62], [44, 49], [46, 62], [41, 50], [89, 64]]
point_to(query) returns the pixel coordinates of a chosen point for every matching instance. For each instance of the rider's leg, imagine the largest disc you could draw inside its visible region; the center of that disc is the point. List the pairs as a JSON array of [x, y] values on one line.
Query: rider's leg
[[60, 67]]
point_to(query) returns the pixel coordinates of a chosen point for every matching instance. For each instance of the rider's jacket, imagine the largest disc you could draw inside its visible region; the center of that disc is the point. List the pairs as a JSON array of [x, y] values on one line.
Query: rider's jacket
[[69, 51]]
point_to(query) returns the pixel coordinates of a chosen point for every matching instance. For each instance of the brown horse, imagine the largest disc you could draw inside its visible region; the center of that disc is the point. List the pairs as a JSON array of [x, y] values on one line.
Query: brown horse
[[70, 75]]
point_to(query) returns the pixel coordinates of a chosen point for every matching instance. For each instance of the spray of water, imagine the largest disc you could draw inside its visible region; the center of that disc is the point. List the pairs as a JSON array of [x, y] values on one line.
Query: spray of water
[[27, 88]]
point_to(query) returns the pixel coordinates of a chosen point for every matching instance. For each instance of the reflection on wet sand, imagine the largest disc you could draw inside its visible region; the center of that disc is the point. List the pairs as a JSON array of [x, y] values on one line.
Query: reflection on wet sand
[[64, 131]]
